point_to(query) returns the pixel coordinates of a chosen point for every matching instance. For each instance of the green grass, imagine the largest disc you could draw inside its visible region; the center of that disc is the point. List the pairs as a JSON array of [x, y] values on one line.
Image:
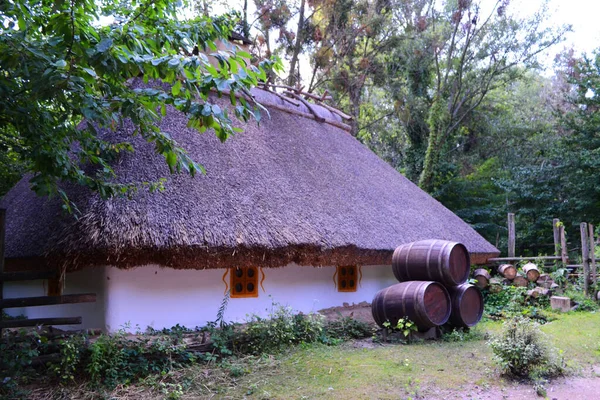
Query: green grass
[[364, 370], [401, 371], [578, 335]]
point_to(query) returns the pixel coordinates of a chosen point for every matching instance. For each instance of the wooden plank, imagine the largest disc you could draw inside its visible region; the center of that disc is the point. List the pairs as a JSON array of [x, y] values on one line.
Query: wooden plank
[[48, 300], [563, 245], [585, 256], [574, 266], [21, 323], [501, 259], [592, 240], [511, 235], [27, 276], [2, 239]]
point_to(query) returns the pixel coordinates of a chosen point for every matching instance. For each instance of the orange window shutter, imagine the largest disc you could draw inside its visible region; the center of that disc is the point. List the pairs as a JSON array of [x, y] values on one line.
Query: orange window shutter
[[347, 278], [244, 282]]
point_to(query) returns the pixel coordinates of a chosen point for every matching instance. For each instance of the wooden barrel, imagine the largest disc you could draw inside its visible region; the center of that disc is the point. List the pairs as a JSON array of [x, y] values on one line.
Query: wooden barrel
[[508, 271], [432, 260], [531, 272], [427, 304], [482, 277], [467, 305]]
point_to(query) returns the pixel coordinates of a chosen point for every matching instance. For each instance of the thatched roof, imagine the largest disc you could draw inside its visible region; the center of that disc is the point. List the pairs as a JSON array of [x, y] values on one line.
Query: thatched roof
[[290, 190]]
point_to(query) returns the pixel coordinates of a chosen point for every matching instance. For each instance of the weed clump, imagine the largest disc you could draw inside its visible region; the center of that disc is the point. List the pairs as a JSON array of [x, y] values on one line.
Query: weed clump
[[522, 350], [281, 328], [346, 328]]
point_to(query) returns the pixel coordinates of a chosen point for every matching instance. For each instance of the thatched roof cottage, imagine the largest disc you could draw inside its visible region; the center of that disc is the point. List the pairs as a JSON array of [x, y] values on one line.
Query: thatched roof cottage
[[283, 210]]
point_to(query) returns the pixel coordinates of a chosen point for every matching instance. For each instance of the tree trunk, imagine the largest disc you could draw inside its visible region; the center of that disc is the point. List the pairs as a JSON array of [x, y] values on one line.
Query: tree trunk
[[438, 123], [292, 78], [245, 26]]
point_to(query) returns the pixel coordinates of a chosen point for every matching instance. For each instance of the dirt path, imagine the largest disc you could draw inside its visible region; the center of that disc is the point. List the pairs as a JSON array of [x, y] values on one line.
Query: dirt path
[[560, 389]]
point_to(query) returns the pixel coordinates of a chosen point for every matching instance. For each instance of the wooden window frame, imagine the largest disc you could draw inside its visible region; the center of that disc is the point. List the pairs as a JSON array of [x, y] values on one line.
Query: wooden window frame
[[347, 278], [241, 278]]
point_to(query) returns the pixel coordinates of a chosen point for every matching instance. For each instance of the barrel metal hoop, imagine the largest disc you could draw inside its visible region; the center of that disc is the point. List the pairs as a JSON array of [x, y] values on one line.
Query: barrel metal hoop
[[403, 298], [406, 260], [420, 311], [441, 265], [382, 302], [427, 266], [457, 304]]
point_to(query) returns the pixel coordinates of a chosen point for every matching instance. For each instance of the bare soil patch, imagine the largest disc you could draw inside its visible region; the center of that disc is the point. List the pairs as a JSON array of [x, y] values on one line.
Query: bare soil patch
[[360, 311]]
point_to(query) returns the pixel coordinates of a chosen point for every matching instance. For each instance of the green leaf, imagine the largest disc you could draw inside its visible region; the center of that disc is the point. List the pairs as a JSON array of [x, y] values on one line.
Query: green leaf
[[90, 72], [176, 89], [104, 45], [171, 159]]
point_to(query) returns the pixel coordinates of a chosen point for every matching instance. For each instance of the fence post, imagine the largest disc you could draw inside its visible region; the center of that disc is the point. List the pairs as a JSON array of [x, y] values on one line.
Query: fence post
[[511, 234], [563, 246], [592, 239], [585, 256], [556, 235]]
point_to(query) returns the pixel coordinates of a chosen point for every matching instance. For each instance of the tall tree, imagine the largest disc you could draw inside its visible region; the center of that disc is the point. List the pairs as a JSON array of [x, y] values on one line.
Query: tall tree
[[473, 54]]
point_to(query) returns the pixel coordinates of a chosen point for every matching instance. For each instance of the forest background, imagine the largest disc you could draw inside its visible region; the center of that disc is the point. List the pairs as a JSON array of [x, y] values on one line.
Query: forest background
[[480, 104]]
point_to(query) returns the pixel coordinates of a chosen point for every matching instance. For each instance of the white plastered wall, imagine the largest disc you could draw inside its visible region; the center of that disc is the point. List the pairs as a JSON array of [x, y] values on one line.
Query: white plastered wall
[[163, 297]]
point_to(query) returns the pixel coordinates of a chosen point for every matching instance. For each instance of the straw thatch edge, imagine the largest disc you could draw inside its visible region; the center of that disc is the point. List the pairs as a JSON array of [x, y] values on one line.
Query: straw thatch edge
[[215, 258]]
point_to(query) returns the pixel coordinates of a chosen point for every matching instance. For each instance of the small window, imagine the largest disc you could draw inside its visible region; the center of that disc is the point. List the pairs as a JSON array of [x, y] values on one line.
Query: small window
[[347, 278], [244, 282]]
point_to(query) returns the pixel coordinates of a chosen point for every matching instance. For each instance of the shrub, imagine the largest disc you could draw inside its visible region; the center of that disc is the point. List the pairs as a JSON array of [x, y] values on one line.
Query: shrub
[[281, 328], [522, 350], [584, 303], [346, 328]]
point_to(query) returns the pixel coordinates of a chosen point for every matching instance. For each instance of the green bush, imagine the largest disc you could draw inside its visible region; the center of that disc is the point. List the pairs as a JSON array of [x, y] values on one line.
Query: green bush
[[281, 328], [346, 328], [584, 303], [522, 350]]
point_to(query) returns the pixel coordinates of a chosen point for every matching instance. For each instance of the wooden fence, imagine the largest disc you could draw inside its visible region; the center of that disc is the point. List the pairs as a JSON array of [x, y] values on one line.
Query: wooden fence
[[33, 301], [588, 245]]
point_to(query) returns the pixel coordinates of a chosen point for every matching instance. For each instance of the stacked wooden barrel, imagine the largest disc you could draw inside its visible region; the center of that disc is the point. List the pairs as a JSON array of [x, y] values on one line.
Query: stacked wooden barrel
[[432, 289]]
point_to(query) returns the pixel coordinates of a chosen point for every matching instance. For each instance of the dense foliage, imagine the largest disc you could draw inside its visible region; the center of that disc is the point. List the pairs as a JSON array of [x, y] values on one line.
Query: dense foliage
[[59, 66]]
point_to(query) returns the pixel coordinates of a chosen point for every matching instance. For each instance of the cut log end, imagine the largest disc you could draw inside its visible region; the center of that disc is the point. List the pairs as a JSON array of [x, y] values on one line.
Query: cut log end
[[531, 272], [508, 271], [482, 278], [520, 281]]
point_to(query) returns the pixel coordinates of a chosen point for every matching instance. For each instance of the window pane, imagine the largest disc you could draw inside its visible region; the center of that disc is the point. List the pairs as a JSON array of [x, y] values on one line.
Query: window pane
[[250, 272], [239, 272]]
